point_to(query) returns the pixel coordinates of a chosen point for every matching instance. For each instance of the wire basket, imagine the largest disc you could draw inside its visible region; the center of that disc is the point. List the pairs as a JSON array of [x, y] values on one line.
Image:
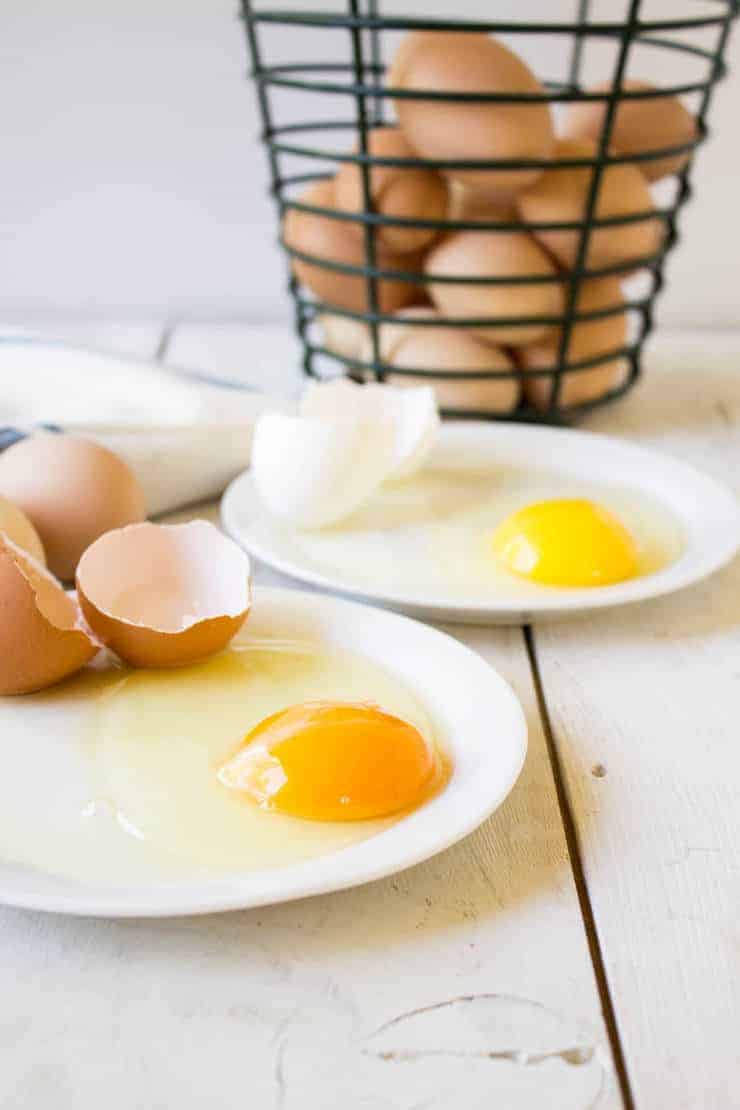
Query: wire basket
[[355, 35]]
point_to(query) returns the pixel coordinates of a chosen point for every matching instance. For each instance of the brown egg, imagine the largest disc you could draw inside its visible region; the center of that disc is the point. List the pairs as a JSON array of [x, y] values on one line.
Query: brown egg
[[72, 490], [435, 61], [450, 349], [338, 241], [477, 206], [18, 528], [561, 195], [494, 254], [161, 595], [410, 194], [342, 334], [42, 636], [638, 127], [587, 340]]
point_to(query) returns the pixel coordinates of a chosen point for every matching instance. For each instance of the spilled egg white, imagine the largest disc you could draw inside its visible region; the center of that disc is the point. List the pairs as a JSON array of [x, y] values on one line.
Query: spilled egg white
[[433, 535], [113, 776]]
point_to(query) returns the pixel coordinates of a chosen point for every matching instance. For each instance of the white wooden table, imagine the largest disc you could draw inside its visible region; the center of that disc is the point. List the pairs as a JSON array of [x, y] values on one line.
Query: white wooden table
[[581, 950]]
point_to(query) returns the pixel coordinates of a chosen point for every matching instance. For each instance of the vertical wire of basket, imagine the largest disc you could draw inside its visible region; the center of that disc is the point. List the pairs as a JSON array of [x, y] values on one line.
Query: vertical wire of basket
[[363, 85]]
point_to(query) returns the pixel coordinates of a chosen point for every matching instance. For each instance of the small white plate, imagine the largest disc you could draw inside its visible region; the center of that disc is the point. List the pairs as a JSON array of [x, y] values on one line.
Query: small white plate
[[475, 712], [707, 513]]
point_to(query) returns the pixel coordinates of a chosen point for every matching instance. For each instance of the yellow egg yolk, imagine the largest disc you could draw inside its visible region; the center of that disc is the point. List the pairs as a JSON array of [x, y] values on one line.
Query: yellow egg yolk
[[568, 542], [333, 761]]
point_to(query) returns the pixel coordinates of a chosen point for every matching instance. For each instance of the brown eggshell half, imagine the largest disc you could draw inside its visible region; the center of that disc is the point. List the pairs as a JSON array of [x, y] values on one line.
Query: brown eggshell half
[[18, 528], [163, 595], [42, 635], [639, 126], [338, 241]]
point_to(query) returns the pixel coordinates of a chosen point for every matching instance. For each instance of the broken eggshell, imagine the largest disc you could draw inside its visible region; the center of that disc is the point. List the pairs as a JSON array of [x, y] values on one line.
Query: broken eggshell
[[163, 595], [42, 635], [411, 413], [312, 472], [18, 528]]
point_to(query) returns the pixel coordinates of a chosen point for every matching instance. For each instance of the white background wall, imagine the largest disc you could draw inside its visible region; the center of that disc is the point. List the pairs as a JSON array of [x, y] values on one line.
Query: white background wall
[[132, 182]]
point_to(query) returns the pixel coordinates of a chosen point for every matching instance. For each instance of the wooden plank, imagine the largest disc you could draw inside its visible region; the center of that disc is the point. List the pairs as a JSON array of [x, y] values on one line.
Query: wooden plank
[[644, 706]]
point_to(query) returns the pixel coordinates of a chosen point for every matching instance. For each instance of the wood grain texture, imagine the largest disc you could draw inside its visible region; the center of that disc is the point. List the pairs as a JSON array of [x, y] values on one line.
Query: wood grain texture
[[644, 705], [464, 982]]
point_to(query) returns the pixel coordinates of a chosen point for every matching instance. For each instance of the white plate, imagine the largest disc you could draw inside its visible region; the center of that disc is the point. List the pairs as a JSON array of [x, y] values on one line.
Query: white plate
[[707, 513], [474, 710]]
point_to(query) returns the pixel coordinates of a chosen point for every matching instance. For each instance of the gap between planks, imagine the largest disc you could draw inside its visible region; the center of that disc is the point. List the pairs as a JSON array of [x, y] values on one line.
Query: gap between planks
[[579, 875]]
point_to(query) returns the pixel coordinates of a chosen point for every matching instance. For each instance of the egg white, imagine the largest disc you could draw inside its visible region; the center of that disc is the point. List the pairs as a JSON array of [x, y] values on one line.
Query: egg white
[[432, 534], [111, 777]]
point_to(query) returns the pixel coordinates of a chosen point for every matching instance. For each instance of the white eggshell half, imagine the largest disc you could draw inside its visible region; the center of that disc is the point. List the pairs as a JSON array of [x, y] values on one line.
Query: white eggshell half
[[312, 472], [411, 414]]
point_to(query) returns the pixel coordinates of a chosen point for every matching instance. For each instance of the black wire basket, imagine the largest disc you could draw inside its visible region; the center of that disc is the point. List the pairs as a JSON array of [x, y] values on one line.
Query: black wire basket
[[308, 141]]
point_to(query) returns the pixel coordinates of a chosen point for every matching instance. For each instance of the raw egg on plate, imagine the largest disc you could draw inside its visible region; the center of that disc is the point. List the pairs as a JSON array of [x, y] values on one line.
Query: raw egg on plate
[[569, 542], [432, 534], [333, 761], [138, 754]]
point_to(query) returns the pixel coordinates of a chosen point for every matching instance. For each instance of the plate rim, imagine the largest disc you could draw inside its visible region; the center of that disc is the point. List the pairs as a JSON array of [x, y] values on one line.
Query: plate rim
[[676, 576], [322, 874]]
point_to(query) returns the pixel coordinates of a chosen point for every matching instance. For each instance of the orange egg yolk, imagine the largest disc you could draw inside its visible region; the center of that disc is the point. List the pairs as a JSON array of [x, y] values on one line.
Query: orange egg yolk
[[333, 761]]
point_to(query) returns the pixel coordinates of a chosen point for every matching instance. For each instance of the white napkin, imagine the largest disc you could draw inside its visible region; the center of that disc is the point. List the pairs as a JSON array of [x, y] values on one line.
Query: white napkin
[[184, 437]]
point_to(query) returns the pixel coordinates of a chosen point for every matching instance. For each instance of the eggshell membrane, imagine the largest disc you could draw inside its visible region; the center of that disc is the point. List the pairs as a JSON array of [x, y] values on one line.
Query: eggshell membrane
[[165, 595], [561, 195], [451, 350], [72, 490], [411, 414], [495, 254], [436, 61], [312, 472], [42, 636], [587, 340], [338, 241], [18, 528], [638, 126], [413, 194]]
